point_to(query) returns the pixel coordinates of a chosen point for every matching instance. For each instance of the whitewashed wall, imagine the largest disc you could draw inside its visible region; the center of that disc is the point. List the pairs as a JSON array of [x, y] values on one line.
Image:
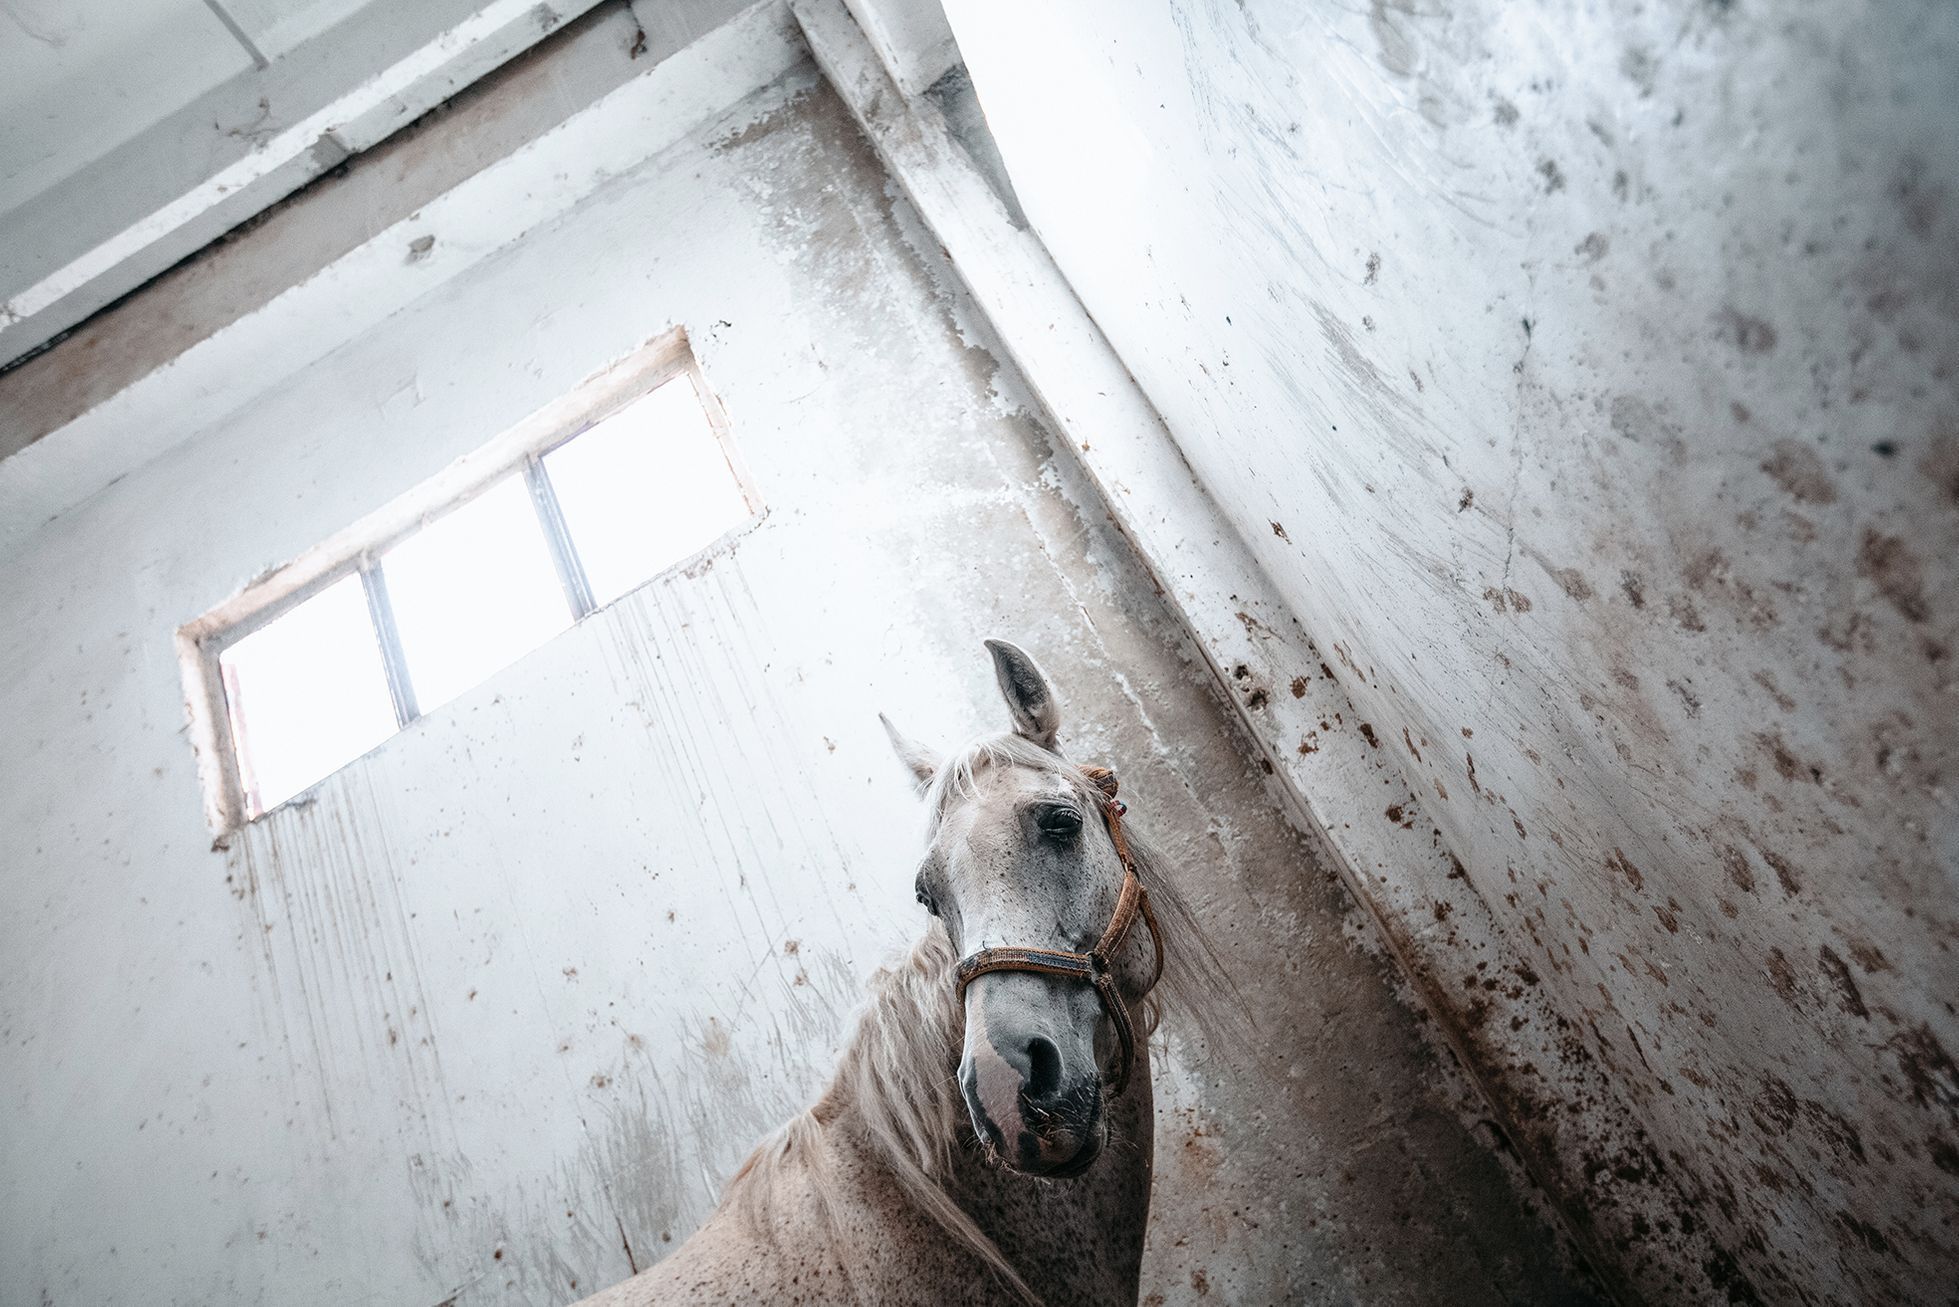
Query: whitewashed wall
[[403, 1040], [1584, 375], [491, 1016]]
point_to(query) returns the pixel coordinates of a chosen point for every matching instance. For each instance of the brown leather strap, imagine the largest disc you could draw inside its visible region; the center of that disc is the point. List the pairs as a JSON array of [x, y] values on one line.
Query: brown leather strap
[[1097, 965]]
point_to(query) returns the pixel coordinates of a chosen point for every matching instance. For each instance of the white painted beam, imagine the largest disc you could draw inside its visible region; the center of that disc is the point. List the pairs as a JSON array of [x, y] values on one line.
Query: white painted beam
[[79, 77], [912, 38], [190, 177]]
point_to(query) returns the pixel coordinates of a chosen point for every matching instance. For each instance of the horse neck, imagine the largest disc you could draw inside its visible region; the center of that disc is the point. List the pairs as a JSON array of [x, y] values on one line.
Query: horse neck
[[1072, 1241]]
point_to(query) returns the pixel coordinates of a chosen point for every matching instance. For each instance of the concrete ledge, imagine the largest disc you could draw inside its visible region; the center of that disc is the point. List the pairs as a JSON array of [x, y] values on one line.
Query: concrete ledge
[[235, 357]]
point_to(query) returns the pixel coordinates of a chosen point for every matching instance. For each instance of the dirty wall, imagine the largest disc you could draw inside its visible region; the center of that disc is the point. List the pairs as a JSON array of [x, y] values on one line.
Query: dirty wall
[[489, 1016], [1584, 375]]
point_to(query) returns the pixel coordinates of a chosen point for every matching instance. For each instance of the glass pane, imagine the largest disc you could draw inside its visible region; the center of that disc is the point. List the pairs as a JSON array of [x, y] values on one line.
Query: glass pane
[[644, 489], [307, 694], [473, 591]]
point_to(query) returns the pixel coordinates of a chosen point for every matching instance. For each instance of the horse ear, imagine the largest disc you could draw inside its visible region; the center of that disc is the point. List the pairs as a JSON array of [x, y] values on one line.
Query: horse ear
[[1036, 715], [922, 762]]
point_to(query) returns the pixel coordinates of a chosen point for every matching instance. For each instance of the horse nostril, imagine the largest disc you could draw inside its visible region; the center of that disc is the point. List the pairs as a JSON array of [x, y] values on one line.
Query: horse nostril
[[1043, 1069]]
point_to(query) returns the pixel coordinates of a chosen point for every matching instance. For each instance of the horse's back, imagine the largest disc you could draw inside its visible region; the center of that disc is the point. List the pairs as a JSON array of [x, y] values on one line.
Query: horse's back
[[725, 1264], [794, 1245]]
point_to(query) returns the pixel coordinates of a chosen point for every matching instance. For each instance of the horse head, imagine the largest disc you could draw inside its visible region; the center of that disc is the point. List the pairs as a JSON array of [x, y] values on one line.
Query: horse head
[[1027, 868]]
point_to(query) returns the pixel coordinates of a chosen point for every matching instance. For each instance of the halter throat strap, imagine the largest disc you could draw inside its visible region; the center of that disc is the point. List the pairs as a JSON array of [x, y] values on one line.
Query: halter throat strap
[[1097, 966]]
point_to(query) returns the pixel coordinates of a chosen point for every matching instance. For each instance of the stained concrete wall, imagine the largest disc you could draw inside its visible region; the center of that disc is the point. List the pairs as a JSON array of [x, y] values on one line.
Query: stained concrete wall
[[490, 1015], [1584, 378]]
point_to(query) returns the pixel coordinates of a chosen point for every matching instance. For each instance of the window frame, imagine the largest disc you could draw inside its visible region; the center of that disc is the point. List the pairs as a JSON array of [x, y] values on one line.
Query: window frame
[[357, 550]]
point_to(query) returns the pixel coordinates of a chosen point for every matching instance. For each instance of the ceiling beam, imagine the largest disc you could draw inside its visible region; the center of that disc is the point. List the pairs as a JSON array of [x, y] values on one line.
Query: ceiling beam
[[912, 39], [192, 176], [346, 255], [238, 34]]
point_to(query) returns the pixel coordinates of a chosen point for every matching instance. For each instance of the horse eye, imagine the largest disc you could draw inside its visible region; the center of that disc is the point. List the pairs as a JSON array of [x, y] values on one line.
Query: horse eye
[[1060, 821]]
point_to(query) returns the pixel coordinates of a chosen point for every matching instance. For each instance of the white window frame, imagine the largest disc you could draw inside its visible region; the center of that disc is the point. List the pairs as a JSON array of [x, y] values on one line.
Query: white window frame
[[355, 551]]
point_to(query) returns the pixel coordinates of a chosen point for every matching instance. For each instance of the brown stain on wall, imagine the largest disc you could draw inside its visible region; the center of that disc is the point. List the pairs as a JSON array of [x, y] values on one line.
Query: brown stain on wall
[[1796, 468], [1702, 785], [1889, 564]]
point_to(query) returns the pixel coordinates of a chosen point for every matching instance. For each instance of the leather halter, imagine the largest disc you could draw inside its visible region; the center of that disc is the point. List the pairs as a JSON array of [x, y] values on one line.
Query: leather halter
[[1096, 965]]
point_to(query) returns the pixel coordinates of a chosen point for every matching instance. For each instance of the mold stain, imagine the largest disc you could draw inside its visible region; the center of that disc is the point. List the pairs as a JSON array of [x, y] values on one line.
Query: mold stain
[[1890, 564]]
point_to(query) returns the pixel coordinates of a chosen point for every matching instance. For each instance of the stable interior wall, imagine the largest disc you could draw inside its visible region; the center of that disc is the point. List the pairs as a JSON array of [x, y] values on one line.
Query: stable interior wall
[[490, 1015], [1584, 377]]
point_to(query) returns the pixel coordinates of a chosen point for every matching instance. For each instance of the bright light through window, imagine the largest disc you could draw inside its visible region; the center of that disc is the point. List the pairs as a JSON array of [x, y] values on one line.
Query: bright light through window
[[644, 489], [308, 693], [458, 578], [473, 591]]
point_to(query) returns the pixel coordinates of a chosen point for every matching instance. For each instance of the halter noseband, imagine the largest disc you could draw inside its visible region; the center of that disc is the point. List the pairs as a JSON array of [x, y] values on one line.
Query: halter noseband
[[1096, 965]]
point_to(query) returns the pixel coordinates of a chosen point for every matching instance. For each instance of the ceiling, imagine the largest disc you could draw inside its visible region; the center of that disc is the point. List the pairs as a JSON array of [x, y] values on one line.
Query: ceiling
[[80, 77], [132, 134]]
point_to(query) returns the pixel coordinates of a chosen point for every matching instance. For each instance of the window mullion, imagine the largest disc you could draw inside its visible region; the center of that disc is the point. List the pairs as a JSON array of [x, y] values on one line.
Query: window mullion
[[401, 689], [557, 537]]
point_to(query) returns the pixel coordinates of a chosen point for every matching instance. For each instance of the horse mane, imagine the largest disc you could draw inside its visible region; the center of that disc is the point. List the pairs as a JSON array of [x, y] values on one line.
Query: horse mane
[[899, 1065], [897, 1071]]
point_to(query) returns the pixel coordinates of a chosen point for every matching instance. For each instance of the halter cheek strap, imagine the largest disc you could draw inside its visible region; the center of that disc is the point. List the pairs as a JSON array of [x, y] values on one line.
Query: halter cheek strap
[[1097, 965]]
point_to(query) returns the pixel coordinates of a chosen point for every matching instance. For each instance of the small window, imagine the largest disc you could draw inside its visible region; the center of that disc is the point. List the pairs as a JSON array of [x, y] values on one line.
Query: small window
[[307, 692], [643, 489], [473, 591], [329, 656]]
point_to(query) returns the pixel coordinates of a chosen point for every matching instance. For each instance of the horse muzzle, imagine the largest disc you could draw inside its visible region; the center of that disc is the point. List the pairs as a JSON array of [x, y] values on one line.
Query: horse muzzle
[[1028, 1117]]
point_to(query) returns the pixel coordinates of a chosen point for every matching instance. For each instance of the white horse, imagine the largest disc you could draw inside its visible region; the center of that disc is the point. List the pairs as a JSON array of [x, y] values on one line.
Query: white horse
[[987, 1135]]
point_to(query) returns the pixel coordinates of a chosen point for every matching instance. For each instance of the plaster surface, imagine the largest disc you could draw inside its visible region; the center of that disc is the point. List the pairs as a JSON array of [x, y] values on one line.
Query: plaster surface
[[489, 1015], [1583, 378]]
